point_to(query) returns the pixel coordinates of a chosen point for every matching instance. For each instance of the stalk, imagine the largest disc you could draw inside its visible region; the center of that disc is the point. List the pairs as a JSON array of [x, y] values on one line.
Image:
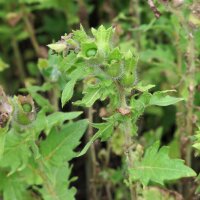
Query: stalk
[[91, 171], [128, 151], [191, 89]]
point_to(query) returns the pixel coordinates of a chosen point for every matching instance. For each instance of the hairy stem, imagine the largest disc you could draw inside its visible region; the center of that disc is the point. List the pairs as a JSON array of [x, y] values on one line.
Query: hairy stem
[[128, 143], [191, 89], [91, 171]]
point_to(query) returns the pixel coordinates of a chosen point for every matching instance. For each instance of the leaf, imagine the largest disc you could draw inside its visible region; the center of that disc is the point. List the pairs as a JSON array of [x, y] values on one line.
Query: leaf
[[159, 99], [16, 151], [13, 188], [90, 97], [58, 118], [67, 92], [103, 37], [58, 177], [105, 129], [3, 132], [142, 88], [59, 145], [80, 35], [157, 166]]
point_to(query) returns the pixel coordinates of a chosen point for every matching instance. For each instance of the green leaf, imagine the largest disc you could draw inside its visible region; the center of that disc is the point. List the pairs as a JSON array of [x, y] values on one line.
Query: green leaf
[[92, 94], [16, 151], [58, 118], [80, 35], [142, 88], [67, 92], [58, 178], [13, 187], [160, 99], [3, 132], [157, 166], [59, 145], [105, 129], [103, 38]]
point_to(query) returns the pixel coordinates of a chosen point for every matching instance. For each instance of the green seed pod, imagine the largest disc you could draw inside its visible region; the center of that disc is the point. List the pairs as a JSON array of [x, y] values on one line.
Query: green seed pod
[[114, 70], [127, 80], [91, 52], [27, 107], [24, 111]]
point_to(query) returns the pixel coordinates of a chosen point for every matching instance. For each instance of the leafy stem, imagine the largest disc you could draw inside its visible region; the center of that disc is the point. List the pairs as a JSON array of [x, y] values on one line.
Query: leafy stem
[[128, 151]]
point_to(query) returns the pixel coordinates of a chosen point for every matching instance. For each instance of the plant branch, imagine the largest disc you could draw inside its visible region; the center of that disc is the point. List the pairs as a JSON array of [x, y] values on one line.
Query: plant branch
[[91, 171], [154, 9]]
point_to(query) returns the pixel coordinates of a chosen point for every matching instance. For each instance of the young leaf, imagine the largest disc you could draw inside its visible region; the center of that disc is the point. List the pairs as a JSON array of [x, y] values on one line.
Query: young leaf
[[67, 92], [90, 97], [103, 37], [160, 99], [157, 166], [105, 129], [58, 118]]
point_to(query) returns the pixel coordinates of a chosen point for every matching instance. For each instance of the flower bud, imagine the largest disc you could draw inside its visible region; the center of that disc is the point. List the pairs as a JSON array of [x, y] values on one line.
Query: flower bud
[[24, 112]]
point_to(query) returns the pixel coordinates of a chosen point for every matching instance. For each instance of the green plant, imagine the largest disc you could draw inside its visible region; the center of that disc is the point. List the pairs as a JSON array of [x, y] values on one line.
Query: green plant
[[110, 73], [34, 167]]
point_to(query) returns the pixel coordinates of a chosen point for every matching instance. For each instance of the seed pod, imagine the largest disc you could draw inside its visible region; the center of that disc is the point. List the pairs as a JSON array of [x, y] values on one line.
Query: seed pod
[[91, 52], [24, 112], [115, 70], [127, 80]]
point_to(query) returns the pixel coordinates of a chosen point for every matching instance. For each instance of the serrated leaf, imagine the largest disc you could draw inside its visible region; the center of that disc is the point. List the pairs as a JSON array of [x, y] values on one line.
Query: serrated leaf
[[13, 188], [104, 130], [158, 167], [160, 99], [16, 151], [58, 118], [107, 130], [92, 94], [59, 145], [80, 35], [67, 92], [58, 177], [103, 37]]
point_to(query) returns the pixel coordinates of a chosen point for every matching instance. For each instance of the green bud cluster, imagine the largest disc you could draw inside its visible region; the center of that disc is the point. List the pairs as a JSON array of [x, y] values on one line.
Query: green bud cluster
[[99, 51], [24, 111]]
